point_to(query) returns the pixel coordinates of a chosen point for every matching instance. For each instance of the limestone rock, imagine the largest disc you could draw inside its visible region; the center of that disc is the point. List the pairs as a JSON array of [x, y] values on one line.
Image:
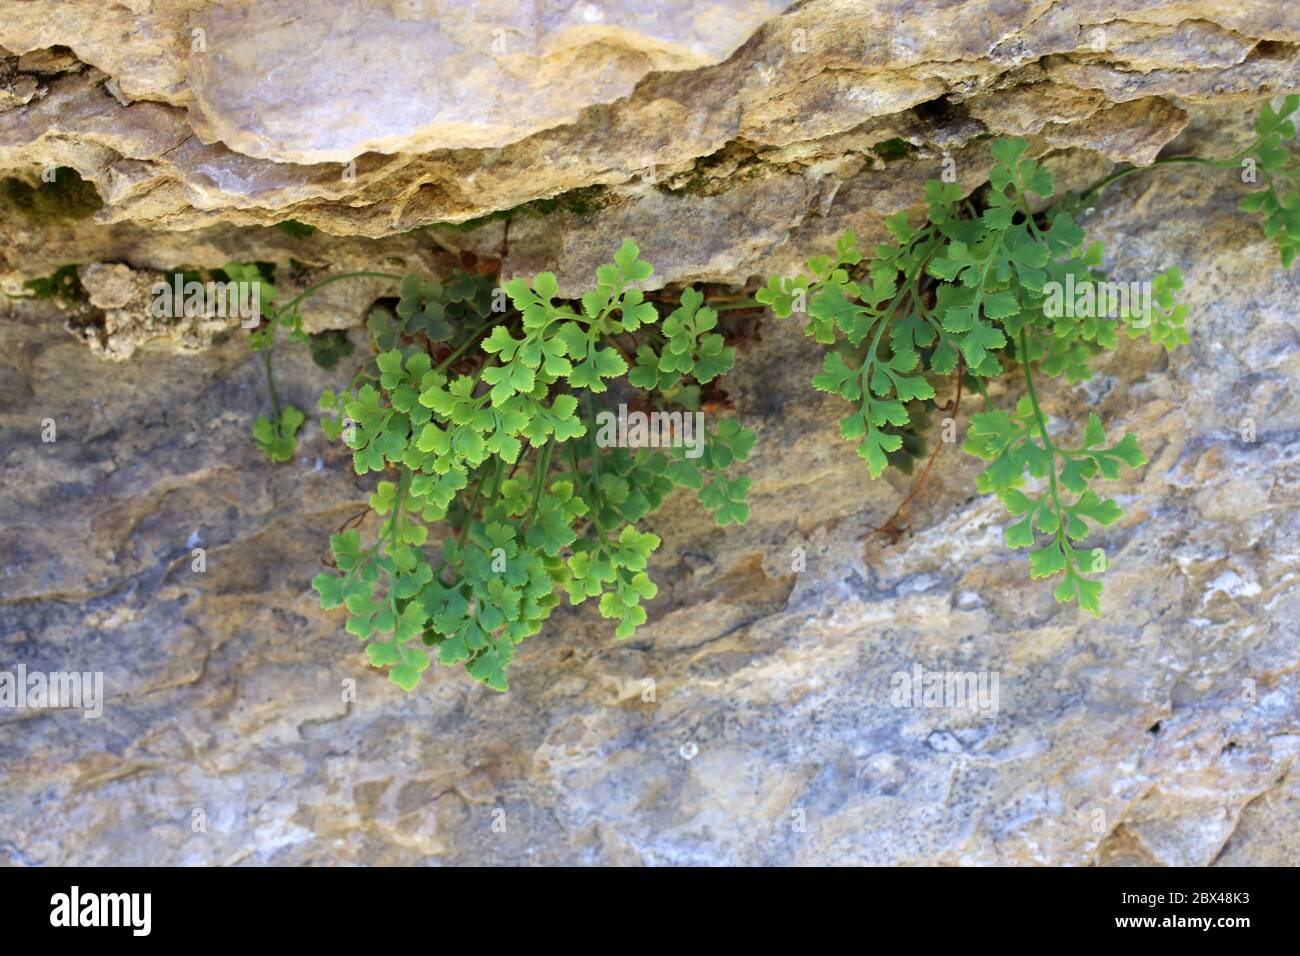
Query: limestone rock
[[250, 114], [145, 46], [753, 719], [1132, 132], [125, 298], [1164, 733], [298, 81]]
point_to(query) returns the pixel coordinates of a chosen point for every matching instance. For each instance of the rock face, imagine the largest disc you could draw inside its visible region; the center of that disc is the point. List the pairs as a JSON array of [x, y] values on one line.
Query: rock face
[[419, 75], [375, 117], [755, 718]]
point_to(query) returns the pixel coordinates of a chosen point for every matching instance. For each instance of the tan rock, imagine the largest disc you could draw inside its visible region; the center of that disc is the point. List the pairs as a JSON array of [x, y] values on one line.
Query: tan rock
[[1120, 741], [126, 298], [242, 725], [144, 45], [1133, 132], [408, 76], [593, 97]]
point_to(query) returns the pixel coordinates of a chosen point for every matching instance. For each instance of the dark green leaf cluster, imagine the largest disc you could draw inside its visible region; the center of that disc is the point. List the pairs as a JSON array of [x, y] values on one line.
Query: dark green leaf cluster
[[690, 347], [436, 310], [329, 347]]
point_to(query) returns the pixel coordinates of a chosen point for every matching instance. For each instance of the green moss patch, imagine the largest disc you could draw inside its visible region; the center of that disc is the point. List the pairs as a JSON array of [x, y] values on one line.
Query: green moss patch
[[67, 198]]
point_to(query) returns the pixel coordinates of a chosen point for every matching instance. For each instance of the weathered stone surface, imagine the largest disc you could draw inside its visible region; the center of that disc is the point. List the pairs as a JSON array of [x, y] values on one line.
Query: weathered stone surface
[[259, 116], [1128, 740], [298, 81], [731, 140], [144, 46], [1132, 132]]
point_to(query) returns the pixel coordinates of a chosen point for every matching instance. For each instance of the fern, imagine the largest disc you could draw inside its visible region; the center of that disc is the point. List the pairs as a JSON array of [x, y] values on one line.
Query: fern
[[967, 292], [479, 415], [498, 445]]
